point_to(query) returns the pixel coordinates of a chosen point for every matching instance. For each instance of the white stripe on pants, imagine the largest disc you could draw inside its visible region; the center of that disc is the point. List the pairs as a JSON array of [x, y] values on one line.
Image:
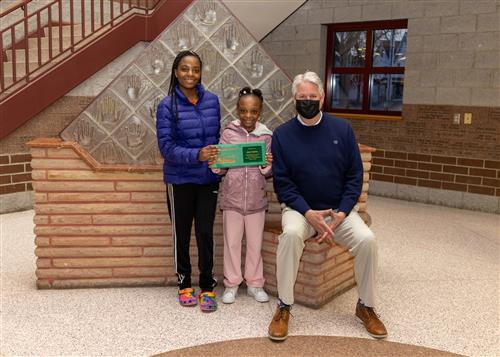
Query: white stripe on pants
[[352, 233], [234, 226]]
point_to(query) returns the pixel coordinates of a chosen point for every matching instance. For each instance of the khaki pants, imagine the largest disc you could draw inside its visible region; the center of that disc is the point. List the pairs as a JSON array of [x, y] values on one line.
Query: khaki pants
[[352, 233]]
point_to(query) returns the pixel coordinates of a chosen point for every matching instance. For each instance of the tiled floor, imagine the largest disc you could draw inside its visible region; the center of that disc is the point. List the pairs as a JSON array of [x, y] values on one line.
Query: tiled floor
[[438, 287]]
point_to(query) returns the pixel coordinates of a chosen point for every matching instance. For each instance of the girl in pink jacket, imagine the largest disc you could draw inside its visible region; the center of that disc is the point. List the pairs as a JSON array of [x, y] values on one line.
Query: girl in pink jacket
[[243, 201]]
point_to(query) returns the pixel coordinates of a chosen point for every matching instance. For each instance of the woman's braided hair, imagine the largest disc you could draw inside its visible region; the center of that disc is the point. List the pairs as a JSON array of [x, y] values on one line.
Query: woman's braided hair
[[174, 81]]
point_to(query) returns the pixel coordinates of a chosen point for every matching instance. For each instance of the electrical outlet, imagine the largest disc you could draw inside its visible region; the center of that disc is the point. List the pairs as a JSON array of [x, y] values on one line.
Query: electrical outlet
[[456, 119], [468, 118]]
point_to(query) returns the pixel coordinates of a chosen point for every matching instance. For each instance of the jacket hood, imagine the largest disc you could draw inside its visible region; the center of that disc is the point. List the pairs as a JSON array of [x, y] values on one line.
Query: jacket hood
[[260, 129]]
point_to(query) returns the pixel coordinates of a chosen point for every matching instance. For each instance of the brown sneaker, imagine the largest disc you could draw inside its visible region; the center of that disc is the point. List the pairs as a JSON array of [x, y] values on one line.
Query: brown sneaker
[[368, 317], [278, 328]]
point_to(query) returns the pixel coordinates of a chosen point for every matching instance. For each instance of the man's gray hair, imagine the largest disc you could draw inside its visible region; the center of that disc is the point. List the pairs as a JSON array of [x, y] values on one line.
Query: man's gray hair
[[308, 76]]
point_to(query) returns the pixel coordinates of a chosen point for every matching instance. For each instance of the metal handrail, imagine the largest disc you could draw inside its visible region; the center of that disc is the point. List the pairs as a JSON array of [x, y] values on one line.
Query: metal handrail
[[107, 18], [13, 7]]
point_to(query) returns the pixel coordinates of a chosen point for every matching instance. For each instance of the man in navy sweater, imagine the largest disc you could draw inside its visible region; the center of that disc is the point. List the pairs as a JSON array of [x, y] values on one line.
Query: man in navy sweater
[[318, 176]]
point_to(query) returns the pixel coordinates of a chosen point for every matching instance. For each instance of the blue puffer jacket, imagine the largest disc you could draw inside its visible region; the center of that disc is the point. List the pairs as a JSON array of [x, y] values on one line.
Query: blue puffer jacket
[[180, 143]]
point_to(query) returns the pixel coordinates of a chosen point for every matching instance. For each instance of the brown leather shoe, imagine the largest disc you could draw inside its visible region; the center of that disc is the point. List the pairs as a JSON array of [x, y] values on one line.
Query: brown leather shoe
[[368, 317], [278, 328]]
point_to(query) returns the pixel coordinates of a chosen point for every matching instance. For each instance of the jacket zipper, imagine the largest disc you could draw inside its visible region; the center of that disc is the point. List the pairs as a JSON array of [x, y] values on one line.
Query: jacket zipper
[[246, 182]]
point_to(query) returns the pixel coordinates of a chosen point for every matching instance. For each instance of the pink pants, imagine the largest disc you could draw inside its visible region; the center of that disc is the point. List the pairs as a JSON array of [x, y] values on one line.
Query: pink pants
[[235, 224]]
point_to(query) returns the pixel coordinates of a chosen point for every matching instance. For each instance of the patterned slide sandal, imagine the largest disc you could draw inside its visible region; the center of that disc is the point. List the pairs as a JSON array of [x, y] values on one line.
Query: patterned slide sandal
[[207, 301], [187, 297]]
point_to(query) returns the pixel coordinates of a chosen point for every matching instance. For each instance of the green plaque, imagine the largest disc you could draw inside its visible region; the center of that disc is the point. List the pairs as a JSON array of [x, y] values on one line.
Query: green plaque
[[243, 154]]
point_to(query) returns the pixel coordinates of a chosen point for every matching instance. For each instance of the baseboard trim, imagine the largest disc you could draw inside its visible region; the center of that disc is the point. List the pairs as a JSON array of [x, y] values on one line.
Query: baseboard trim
[[17, 201], [448, 198]]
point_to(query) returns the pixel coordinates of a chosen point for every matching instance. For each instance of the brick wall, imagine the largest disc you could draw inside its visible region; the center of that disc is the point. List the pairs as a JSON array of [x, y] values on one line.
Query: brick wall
[[15, 173], [98, 228], [426, 149], [435, 171]]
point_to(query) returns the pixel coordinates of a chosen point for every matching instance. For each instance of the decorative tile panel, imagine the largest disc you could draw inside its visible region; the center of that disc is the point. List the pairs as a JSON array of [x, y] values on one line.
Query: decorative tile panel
[[119, 126]]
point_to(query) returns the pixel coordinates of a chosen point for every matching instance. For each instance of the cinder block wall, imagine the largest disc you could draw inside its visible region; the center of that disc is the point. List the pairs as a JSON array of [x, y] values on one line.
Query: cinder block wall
[[453, 67]]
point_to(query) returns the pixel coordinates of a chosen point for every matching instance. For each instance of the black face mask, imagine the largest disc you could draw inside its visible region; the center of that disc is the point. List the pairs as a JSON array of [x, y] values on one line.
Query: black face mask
[[307, 108]]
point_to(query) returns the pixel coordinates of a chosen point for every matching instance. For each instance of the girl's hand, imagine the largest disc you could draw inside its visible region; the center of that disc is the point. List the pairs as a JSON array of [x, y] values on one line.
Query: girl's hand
[[213, 159], [269, 158], [208, 153]]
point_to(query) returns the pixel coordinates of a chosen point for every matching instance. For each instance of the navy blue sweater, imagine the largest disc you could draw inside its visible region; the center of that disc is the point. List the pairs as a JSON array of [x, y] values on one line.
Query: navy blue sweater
[[317, 167]]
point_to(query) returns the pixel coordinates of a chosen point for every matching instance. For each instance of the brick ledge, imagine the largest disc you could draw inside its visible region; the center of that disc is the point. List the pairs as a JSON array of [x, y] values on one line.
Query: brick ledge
[[85, 156], [97, 166]]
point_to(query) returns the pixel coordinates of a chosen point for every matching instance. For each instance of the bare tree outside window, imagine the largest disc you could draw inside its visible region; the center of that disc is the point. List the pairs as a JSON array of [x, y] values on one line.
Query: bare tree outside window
[[365, 67]]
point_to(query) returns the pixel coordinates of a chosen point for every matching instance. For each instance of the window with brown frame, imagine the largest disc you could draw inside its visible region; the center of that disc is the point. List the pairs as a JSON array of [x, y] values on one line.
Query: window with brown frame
[[365, 67]]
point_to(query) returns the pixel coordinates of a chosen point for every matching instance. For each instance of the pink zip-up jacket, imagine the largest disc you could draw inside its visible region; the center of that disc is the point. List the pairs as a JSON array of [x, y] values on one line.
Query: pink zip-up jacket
[[243, 188]]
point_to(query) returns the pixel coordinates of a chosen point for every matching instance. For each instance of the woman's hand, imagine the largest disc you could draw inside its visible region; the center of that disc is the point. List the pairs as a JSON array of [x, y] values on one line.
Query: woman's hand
[[208, 153]]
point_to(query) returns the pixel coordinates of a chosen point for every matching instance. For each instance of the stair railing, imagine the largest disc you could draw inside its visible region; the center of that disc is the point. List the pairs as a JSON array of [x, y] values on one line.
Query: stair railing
[[89, 17]]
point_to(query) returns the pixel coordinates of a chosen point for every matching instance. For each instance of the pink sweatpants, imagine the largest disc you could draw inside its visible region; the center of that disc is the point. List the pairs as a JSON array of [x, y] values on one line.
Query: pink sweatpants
[[235, 224]]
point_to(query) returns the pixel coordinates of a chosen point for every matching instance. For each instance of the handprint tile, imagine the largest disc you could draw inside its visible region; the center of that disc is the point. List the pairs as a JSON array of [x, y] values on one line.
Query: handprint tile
[[133, 86], [156, 62], [227, 87], [277, 90], [255, 65], [181, 36], [147, 110], [213, 62], [84, 131], [207, 15], [151, 156], [110, 153], [288, 111], [108, 111], [232, 39], [134, 135]]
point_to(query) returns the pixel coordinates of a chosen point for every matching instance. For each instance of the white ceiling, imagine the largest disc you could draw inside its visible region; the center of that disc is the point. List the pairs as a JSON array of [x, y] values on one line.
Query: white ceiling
[[261, 16]]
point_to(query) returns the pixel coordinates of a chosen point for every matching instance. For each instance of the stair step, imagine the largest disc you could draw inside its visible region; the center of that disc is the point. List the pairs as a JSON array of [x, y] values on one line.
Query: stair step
[[7, 81], [44, 51], [33, 54], [20, 68], [44, 42], [66, 31]]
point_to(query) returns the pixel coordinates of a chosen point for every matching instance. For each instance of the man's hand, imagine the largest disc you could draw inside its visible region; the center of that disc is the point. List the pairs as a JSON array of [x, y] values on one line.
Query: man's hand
[[337, 218], [324, 233]]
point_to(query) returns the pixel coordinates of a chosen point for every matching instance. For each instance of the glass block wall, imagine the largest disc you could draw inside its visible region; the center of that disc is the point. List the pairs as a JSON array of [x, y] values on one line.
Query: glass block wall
[[119, 127]]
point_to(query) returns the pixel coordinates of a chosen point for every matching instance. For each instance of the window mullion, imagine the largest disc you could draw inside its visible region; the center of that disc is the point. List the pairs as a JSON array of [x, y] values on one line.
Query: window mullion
[[368, 67], [330, 57]]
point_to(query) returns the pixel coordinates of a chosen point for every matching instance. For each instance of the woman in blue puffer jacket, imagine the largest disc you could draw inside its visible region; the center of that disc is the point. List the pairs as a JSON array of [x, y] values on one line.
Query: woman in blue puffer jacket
[[187, 127]]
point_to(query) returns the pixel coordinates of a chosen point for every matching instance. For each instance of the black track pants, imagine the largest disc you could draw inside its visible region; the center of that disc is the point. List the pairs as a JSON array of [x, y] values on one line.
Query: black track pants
[[185, 202]]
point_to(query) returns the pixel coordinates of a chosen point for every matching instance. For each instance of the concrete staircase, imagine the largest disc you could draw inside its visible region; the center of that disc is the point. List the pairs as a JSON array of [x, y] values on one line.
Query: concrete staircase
[[39, 51]]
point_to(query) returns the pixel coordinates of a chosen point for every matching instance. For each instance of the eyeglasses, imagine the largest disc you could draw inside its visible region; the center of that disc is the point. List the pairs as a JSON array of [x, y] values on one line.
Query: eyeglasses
[[247, 91]]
